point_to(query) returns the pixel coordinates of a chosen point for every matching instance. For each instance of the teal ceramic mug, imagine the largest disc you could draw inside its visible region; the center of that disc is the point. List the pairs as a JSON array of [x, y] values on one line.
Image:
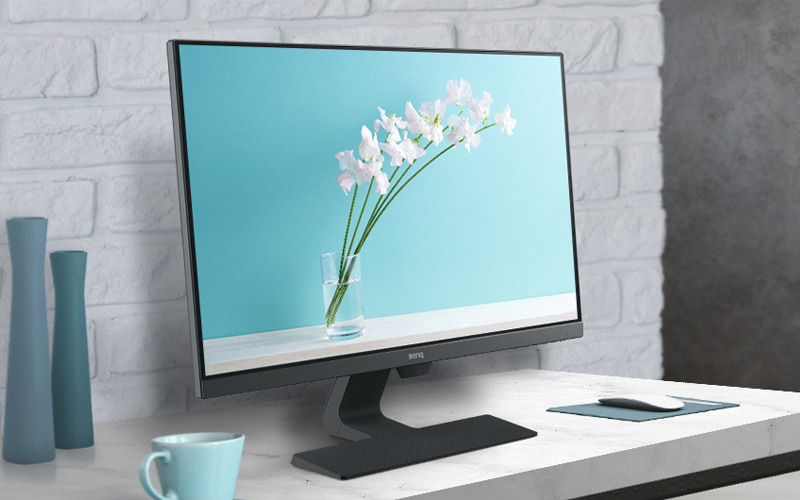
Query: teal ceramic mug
[[200, 466]]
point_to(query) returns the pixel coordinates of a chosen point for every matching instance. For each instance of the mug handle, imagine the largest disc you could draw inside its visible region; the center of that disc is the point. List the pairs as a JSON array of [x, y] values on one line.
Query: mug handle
[[144, 475]]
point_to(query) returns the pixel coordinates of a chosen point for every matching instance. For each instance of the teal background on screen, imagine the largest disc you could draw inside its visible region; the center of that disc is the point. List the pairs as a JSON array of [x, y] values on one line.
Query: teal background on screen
[[262, 128]]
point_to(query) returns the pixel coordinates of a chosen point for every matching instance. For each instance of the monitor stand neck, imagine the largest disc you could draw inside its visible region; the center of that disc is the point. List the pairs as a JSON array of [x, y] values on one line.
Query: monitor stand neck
[[379, 443], [353, 409]]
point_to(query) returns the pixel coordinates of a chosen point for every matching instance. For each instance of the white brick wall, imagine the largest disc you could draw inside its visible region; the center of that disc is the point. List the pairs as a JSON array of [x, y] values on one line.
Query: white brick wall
[[28, 70], [89, 135], [589, 45], [24, 11], [86, 141]]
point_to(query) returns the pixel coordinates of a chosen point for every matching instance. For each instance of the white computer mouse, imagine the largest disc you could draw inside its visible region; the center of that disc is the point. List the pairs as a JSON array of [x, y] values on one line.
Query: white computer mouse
[[647, 402]]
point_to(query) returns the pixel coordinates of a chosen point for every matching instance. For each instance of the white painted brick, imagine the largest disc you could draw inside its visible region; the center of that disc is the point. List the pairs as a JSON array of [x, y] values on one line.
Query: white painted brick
[[143, 343], [498, 4], [134, 274], [642, 295], [34, 66], [572, 3], [218, 10], [68, 206], [589, 45], [595, 172], [406, 5], [147, 203], [641, 41], [600, 300], [622, 233], [221, 10], [635, 356], [91, 341], [641, 167], [139, 60], [86, 136], [111, 403], [614, 105], [432, 35], [346, 8], [24, 11]]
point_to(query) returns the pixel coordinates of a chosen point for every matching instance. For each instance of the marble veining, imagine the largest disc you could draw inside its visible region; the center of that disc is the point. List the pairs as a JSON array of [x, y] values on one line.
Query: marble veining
[[572, 455]]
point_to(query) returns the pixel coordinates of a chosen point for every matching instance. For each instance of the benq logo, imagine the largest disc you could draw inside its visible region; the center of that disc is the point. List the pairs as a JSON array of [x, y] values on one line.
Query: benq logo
[[416, 355]]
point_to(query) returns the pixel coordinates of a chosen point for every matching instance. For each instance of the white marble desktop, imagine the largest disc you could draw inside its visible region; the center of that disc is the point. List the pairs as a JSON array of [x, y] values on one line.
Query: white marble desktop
[[257, 350], [572, 455]]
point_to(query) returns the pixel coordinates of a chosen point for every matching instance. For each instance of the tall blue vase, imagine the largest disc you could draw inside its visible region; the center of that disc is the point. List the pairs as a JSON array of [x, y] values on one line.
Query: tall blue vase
[[72, 394], [28, 424]]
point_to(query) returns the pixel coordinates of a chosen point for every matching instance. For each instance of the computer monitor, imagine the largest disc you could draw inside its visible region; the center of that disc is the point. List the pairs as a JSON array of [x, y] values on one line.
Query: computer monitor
[[347, 211]]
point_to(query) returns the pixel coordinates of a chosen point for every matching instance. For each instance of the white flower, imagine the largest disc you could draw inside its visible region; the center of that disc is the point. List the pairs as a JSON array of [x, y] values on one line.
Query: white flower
[[433, 111], [381, 183], [456, 124], [436, 134], [354, 170], [470, 137], [410, 149], [388, 122], [463, 130], [369, 147], [346, 160], [433, 115], [505, 121], [428, 121], [458, 94], [393, 150], [406, 150], [373, 170], [479, 108], [346, 181], [415, 122], [393, 136]]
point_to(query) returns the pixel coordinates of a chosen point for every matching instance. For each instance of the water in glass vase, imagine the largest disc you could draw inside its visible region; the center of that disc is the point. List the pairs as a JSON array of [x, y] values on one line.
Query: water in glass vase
[[350, 315], [343, 296]]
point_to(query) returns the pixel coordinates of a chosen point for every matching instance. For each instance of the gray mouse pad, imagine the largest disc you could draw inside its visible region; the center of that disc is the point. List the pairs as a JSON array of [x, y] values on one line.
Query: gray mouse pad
[[690, 405]]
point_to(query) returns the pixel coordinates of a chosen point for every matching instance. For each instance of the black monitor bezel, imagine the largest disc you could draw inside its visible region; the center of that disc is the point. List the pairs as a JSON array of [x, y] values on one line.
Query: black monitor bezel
[[209, 386]]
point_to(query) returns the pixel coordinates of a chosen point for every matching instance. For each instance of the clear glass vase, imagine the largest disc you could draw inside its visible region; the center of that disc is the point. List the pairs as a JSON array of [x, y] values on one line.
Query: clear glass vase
[[343, 295]]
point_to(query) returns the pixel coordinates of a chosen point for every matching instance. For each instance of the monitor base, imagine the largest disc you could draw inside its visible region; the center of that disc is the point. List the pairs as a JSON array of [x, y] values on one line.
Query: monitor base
[[379, 443]]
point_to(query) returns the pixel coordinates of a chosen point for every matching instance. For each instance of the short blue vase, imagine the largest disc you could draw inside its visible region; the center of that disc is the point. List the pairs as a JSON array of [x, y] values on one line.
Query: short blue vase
[[72, 395], [28, 424]]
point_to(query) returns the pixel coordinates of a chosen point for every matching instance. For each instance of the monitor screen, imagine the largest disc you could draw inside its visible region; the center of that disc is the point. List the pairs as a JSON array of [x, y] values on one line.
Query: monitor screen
[[445, 171]]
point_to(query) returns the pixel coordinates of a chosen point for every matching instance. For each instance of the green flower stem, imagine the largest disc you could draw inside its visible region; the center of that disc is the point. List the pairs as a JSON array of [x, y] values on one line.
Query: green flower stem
[[383, 198], [347, 229], [366, 199], [377, 211], [393, 194], [371, 221], [368, 230], [338, 296]]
